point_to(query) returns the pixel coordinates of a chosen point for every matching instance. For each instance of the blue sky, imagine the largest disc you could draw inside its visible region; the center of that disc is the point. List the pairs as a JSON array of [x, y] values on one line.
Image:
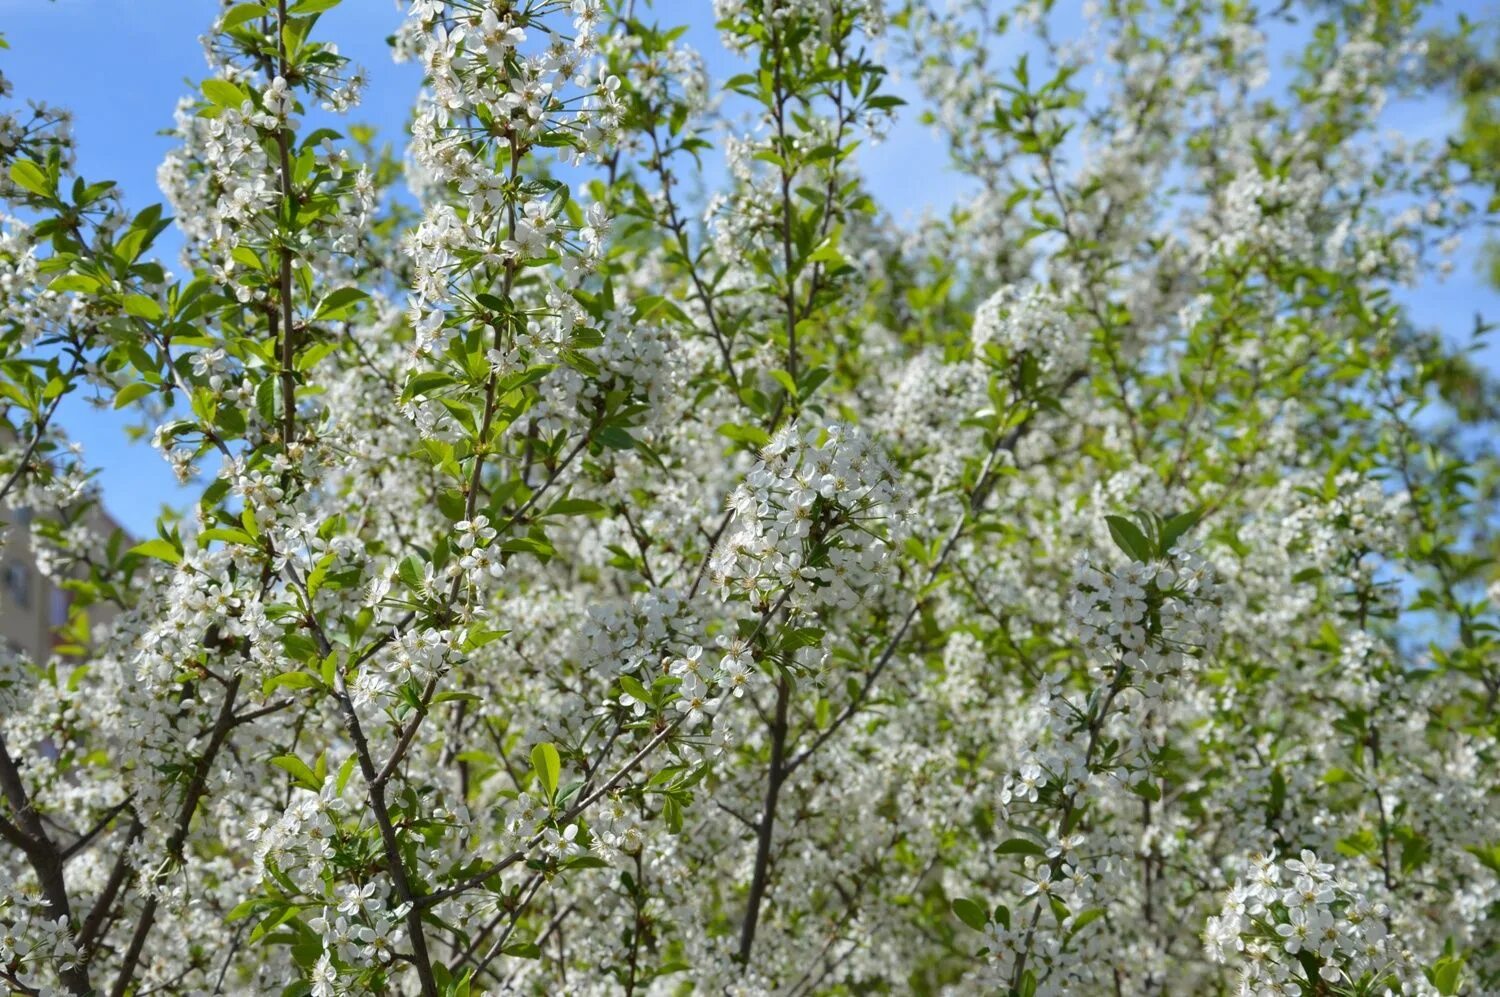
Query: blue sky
[[121, 66]]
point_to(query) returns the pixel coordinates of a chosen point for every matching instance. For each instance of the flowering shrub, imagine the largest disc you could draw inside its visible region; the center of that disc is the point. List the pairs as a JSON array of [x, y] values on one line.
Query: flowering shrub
[[599, 588]]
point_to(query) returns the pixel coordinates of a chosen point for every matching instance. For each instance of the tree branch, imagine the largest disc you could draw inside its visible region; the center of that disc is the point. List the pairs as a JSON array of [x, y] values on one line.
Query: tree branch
[[767, 824], [45, 859], [195, 790]]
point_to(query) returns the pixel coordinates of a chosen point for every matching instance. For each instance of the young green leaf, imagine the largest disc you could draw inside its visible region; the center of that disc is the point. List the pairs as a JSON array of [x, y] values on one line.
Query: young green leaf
[[970, 913], [548, 767], [223, 93], [30, 177], [162, 550], [1129, 538], [1175, 526]]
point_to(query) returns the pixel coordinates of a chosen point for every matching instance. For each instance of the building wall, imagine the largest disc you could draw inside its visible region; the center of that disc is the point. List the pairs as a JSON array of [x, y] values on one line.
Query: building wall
[[30, 605]]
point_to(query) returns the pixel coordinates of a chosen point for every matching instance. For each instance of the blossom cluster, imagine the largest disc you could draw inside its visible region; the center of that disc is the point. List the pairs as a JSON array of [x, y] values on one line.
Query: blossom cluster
[[1029, 321], [813, 521], [1140, 625], [1149, 615], [1294, 925]]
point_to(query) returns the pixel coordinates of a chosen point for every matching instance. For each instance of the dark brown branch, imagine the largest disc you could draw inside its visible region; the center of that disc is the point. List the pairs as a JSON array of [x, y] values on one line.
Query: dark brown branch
[[92, 925], [14, 835], [195, 790], [43, 855], [767, 824], [24, 462], [84, 841], [388, 840], [572, 812]]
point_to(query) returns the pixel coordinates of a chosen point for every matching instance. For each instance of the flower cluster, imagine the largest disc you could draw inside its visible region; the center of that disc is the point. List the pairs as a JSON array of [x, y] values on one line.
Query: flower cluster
[[1138, 624], [1147, 614], [1294, 926], [33, 945], [813, 522], [1032, 321]]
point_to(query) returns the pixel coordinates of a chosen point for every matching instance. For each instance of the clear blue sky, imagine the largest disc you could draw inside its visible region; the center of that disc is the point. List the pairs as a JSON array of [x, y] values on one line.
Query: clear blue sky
[[121, 66]]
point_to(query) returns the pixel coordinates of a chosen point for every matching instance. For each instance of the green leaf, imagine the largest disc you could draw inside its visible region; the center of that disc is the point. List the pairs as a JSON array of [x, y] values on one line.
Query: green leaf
[[319, 574], [1001, 916], [162, 550], [245, 256], [634, 689], [1020, 846], [142, 307], [299, 770], [225, 535], [1129, 538], [1415, 850], [426, 383], [74, 282], [247, 907], [480, 636], [412, 572], [745, 433], [523, 950], [576, 507], [828, 253], [240, 13], [29, 176], [1446, 975], [616, 438], [527, 545], [131, 392], [1488, 855], [548, 766], [456, 696], [1173, 529], [810, 381], [799, 637], [345, 771], [584, 862], [339, 303], [1310, 963], [223, 93], [970, 913], [1085, 919], [288, 680]]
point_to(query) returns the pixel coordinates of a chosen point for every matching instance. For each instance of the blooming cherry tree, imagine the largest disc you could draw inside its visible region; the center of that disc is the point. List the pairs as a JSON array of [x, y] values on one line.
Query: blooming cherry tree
[[627, 559]]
